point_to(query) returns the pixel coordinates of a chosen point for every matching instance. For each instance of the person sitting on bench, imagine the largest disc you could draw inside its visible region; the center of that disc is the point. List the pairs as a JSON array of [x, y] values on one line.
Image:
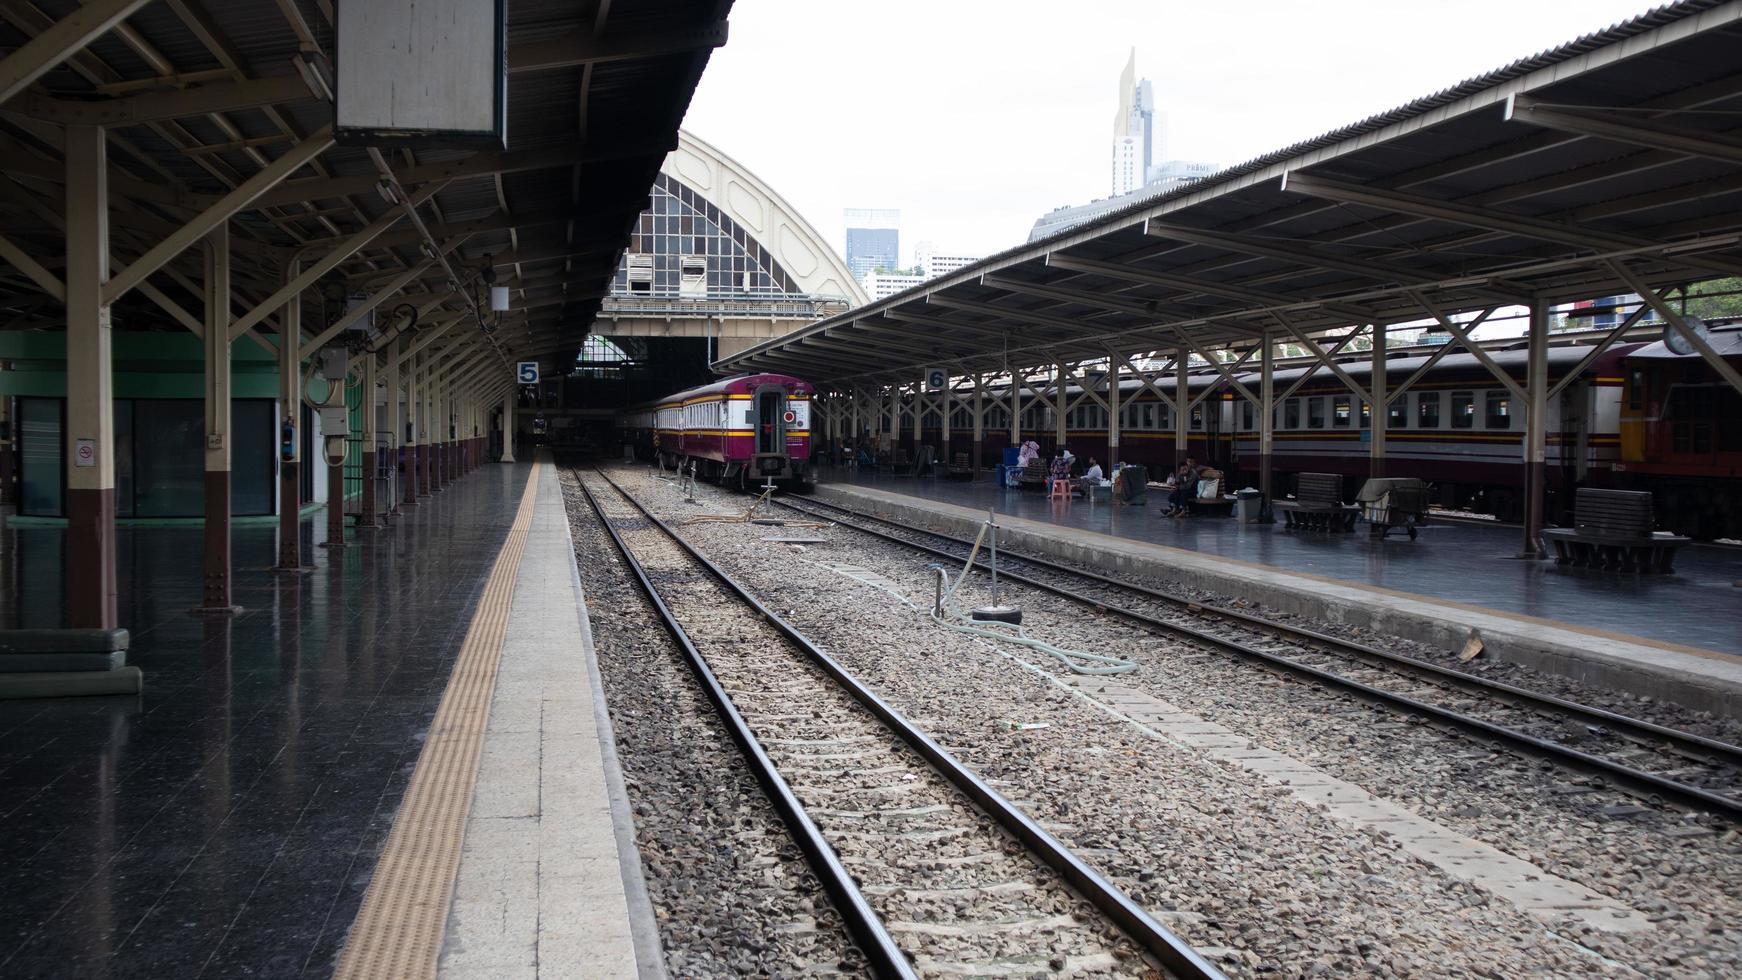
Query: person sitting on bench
[[1092, 477], [1185, 488]]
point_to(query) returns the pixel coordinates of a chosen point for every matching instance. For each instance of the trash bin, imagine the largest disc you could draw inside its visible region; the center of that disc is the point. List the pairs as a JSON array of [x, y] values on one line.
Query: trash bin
[[1011, 455], [998, 474], [1247, 506]]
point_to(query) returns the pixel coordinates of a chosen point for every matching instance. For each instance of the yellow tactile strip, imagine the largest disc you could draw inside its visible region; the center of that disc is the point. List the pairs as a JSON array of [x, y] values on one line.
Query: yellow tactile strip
[[398, 931]]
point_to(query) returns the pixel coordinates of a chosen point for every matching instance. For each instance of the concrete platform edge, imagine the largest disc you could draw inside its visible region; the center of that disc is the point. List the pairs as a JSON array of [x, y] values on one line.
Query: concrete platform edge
[[643, 922], [1702, 680]]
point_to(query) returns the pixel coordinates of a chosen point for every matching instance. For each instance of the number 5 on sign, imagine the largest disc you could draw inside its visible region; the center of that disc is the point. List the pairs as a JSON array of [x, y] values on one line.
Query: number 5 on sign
[[529, 372]]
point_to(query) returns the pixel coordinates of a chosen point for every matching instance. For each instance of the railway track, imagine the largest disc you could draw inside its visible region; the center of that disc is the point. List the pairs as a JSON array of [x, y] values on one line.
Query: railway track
[[932, 870], [1652, 761]]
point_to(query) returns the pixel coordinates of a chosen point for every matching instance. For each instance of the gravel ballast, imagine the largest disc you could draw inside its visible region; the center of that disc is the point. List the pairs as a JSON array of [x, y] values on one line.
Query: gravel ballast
[[1267, 882]]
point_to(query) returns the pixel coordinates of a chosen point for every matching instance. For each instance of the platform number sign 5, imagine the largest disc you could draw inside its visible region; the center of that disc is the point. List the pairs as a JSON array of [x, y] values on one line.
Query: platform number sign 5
[[528, 372], [936, 379]]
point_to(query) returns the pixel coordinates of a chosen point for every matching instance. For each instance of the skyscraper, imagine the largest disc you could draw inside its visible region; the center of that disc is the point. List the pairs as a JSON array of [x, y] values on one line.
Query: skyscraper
[[1133, 131], [873, 240]]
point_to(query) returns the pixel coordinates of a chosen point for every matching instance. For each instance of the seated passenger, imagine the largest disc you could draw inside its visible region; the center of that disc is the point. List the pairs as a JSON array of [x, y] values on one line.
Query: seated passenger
[[1185, 488]]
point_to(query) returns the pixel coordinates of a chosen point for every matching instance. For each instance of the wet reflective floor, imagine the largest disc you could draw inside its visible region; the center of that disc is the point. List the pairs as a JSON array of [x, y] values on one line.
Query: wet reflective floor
[[1700, 605], [225, 823]]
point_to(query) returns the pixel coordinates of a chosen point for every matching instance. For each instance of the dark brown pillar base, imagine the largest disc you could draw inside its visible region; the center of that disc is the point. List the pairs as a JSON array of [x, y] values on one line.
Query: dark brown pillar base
[[216, 597], [289, 516], [978, 457], [423, 452], [90, 573], [1535, 481], [215, 611], [367, 520], [335, 508], [408, 475]]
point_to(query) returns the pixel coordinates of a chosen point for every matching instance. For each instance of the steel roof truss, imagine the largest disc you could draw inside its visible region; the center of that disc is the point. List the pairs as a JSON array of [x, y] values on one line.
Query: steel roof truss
[[1444, 349], [1599, 122], [1463, 336], [1711, 356]]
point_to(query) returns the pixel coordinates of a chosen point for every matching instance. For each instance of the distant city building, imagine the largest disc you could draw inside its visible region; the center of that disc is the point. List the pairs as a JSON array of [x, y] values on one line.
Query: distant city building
[[873, 240], [1136, 144], [1133, 130], [882, 284], [932, 263]]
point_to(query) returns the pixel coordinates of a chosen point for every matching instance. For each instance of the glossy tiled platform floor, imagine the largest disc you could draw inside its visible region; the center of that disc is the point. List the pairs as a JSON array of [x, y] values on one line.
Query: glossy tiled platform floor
[[225, 823], [1698, 606]]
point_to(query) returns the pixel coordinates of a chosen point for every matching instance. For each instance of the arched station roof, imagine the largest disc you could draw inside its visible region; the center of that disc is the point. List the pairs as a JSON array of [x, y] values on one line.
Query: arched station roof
[[743, 199]]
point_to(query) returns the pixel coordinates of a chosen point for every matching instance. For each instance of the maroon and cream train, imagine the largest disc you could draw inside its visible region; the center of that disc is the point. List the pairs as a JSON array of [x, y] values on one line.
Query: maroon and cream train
[[1638, 417], [739, 431]]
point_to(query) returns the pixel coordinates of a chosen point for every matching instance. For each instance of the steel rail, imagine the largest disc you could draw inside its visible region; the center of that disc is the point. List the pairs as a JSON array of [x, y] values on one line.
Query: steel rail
[[1636, 728], [1168, 949], [873, 938], [1636, 781]]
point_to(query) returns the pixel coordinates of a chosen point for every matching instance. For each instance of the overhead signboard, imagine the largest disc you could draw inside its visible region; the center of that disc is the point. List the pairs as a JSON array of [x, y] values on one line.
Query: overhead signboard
[[936, 379], [527, 372], [422, 73]]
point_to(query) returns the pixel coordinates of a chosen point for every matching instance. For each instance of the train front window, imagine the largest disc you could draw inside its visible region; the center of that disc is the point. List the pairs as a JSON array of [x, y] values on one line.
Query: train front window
[[1636, 389], [1463, 410]]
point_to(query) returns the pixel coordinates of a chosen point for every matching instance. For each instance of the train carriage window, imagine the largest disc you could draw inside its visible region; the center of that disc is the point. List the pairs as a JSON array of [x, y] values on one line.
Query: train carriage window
[[1366, 414], [1427, 410], [1315, 413], [1397, 414], [1498, 410], [1341, 414], [1636, 385], [1463, 410], [1198, 418], [1164, 417], [1248, 416], [1291, 413]]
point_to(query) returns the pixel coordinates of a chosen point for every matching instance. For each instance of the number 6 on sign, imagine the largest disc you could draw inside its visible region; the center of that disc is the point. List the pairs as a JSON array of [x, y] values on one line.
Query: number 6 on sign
[[529, 372]]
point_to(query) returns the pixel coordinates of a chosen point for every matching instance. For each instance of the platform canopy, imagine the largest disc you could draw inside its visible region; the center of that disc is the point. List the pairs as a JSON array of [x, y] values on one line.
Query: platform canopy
[[1606, 166], [221, 113]]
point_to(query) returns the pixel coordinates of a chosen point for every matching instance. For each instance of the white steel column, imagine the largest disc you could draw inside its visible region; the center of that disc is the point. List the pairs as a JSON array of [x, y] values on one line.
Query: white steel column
[[1377, 406], [1536, 429], [1112, 378], [508, 399], [1266, 415], [290, 393], [1015, 410], [90, 407], [979, 423], [215, 596], [1182, 407]]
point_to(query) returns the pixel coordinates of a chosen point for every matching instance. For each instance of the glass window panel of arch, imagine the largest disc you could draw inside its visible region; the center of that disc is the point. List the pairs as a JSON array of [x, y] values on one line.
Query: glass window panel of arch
[[682, 223]]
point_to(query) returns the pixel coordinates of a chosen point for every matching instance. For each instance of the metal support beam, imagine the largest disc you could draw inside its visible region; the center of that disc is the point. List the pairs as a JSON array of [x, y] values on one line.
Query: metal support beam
[[90, 407], [588, 48], [290, 395], [1376, 406], [1535, 431], [153, 107], [245, 193], [1594, 121], [69, 35], [47, 281], [215, 597], [1713, 358]]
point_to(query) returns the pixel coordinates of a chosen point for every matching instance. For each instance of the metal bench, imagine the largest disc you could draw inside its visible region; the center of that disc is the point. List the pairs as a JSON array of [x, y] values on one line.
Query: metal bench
[[1318, 504], [1033, 475], [1613, 529]]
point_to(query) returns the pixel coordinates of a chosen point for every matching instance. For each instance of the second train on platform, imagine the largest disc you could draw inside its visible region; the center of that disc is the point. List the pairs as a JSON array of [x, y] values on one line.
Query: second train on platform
[[742, 431]]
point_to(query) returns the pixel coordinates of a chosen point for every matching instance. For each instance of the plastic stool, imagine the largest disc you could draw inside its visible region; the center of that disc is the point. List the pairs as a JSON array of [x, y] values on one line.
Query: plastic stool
[[1061, 489]]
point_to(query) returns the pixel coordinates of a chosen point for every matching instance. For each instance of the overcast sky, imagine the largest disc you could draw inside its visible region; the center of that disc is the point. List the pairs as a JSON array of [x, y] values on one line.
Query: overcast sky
[[975, 116]]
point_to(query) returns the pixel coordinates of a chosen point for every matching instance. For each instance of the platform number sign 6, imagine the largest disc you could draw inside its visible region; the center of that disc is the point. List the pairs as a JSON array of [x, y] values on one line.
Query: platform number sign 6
[[528, 373], [936, 379]]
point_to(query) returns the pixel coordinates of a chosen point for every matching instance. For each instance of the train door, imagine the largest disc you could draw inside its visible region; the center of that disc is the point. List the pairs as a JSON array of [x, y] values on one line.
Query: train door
[[770, 427]]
